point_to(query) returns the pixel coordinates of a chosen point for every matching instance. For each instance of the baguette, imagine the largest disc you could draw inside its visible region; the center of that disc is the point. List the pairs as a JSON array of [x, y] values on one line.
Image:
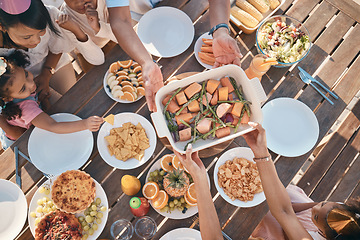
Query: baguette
[[274, 4], [247, 7], [244, 17], [260, 5]]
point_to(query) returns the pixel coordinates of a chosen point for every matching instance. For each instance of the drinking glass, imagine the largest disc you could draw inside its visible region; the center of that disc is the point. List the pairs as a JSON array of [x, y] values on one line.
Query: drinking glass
[[256, 68], [122, 230], [145, 227]]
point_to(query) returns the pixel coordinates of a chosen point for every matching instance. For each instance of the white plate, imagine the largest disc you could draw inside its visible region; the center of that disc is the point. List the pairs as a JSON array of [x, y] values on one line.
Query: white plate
[[54, 153], [13, 208], [165, 31], [291, 127], [197, 49], [100, 193], [108, 92], [176, 214], [182, 234], [240, 152], [119, 120]]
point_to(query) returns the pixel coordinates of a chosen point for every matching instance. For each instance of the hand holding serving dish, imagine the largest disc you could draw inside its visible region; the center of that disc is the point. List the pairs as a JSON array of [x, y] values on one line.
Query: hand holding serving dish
[[222, 99]]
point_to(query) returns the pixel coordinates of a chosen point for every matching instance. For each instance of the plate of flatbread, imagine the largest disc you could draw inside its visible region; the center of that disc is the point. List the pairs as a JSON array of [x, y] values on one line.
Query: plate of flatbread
[[128, 143]]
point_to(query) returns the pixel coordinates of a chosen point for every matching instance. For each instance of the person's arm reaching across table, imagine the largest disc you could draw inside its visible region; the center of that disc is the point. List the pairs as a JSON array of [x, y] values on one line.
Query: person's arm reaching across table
[[208, 219], [225, 48], [275, 192], [120, 21]]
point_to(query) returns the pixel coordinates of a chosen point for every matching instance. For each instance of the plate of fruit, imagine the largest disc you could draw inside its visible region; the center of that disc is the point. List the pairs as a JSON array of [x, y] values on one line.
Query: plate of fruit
[[170, 189], [123, 81], [92, 219]]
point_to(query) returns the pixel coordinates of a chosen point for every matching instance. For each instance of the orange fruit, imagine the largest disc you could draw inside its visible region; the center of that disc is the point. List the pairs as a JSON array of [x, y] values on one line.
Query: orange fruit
[[138, 68], [128, 88], [166, 163], [121, 73], [135, 64], [126, 83], [150, 190], [134, 94], [130, 185], [191, 193], [188, 201], [141, 91], [140, 78], [160, 200], [122, 78], [125, 64], [127, 96], [176, 163], [114, 67]]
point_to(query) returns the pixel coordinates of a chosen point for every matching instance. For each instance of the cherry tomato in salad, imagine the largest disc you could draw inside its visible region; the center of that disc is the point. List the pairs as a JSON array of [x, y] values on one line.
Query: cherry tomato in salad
[[279, 24], [292, 35], [270, 37]]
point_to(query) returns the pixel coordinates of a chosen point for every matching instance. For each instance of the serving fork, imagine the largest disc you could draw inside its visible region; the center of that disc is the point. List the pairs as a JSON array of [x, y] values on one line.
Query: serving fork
[[308, 79]]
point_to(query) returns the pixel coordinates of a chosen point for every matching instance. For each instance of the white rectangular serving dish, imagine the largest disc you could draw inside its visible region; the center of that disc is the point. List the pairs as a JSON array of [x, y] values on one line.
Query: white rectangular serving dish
[[252, 90], [249, 30]]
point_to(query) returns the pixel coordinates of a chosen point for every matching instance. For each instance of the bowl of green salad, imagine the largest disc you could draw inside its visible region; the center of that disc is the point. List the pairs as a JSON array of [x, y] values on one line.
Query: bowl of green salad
[[283, 38]]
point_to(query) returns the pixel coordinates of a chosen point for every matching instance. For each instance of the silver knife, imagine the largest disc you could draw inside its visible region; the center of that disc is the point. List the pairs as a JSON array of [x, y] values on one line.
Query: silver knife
[[316, 81], [18, 177]]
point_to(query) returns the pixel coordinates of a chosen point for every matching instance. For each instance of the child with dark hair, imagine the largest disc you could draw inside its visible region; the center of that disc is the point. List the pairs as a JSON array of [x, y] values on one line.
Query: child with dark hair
[[32, 27], [19, 104]]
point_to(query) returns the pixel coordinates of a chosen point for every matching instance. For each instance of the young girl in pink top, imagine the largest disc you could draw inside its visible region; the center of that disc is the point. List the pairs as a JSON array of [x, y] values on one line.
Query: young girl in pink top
[[20, 108]]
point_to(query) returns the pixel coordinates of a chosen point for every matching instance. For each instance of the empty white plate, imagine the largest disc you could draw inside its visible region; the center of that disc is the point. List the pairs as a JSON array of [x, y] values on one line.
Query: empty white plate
[[291, 127], [13, 208], [182, 234], [54, 153], [165, 31]]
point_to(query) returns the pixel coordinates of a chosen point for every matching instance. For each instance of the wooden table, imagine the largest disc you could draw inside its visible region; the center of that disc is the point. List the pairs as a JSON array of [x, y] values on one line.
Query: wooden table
[[334, 59]]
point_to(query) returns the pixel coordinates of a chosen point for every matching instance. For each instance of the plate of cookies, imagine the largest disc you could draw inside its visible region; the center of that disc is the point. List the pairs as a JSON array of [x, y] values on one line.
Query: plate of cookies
[[123, 81], [73, 199]]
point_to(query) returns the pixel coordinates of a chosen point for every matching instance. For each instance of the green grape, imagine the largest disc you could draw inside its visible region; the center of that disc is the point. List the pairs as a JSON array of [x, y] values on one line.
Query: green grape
[[32, 214], [98, 201], [181, 208], [166, 208], [46, 210], [152, 174], [53, 208], [93, 207], [39, 209], [81, 219], [175, 201], [155, 173], [47, 191], [182, 200], [99, 215], [95, 227], [162, 173], [93, 213], [103, 209], [98, 221], [172, 209], [86, 212], [178, 204], [84, 237], [86, 228], [83, 224], [171, 204], [40, 202], [91, 231], [89, 219], [45, 199], [150, 179], [41, 190]]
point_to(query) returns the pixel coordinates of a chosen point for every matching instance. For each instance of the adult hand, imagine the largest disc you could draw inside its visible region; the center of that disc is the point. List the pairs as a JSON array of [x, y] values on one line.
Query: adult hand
[[257, 140], [153, 80], [225, 48], [42, 83], [192, 162], [92, 17], [93, 123]]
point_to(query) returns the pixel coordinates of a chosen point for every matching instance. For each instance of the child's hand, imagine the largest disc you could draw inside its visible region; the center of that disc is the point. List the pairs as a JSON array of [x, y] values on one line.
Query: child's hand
[[65, 22], [93, 123], [92, 17]]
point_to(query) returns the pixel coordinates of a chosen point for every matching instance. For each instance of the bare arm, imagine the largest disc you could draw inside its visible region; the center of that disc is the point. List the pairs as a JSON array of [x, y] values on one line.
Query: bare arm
[[275, 192], [208, 219], [120, 21], [299, 207], [45, 122], [43, 79], [11, 130], [225, 48]]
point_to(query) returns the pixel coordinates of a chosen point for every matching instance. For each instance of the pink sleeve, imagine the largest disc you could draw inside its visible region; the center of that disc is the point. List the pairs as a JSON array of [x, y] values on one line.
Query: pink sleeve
[[29, 110]]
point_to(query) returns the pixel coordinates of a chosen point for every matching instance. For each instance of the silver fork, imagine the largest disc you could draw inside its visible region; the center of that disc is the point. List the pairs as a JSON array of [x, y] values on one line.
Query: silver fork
[[308, 81]]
